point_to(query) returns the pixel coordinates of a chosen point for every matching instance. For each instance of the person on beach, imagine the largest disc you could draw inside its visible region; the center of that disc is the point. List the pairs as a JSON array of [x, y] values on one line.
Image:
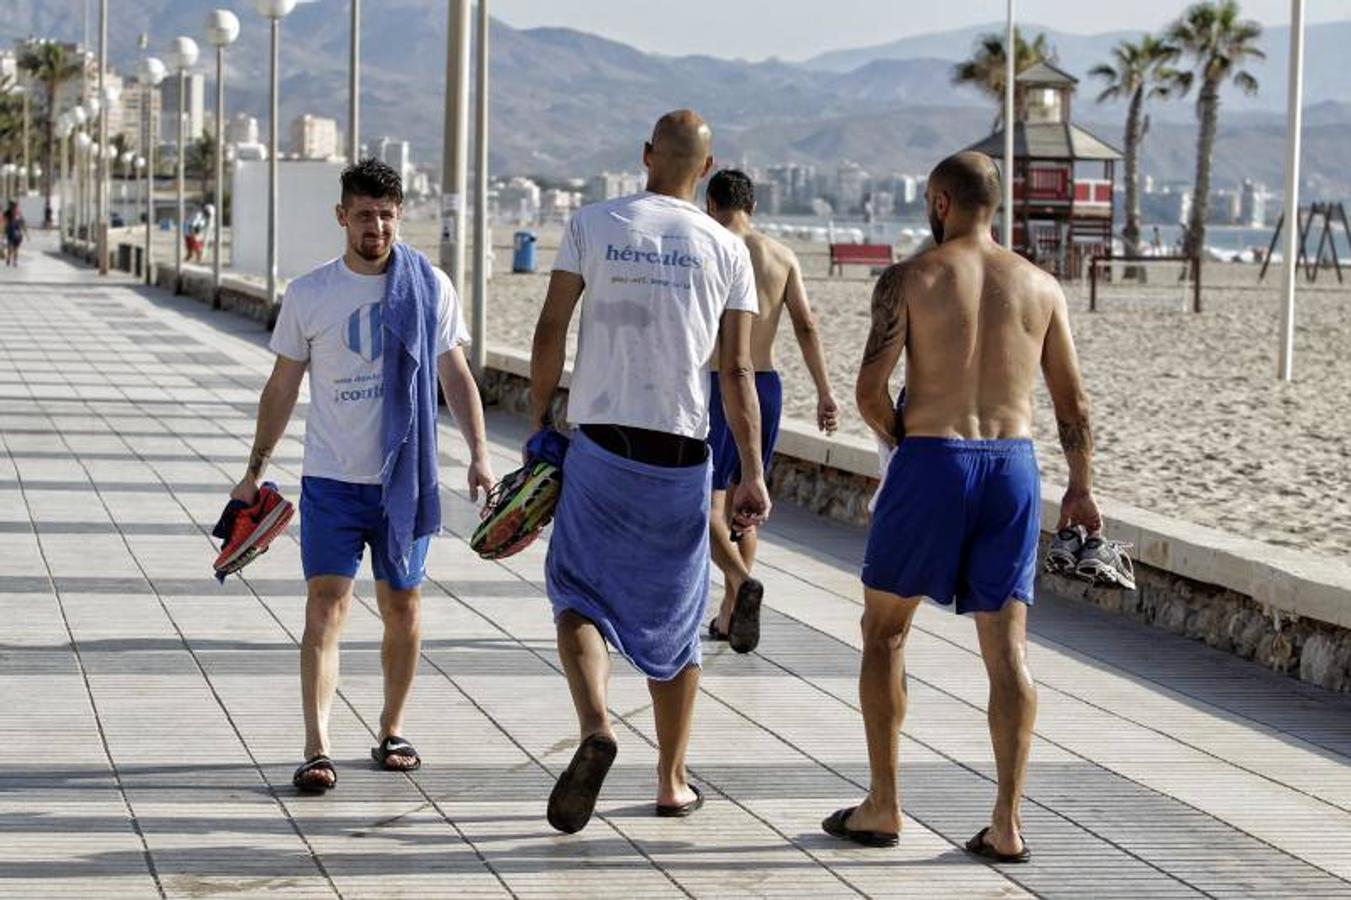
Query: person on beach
[[778, 286], [957, 515], [374, 328], [628, 562]]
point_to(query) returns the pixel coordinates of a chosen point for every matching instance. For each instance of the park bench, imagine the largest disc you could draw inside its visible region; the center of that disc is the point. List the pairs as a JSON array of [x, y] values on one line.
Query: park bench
[[842, 255]]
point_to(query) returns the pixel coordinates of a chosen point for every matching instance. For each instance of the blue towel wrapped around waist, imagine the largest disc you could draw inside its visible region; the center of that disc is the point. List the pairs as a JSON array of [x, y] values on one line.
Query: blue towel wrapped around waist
[[629, 551], [409, 313]]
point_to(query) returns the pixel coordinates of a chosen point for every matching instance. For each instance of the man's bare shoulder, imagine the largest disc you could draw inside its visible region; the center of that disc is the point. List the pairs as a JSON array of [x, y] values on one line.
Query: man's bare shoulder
[[771, 249]]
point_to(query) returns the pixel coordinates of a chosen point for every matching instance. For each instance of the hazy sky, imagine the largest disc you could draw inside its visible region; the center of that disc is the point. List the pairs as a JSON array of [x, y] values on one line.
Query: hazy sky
[[797, 29]]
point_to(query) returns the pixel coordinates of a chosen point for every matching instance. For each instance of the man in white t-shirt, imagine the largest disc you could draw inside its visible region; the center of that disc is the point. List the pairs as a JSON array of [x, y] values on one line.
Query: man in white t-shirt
[[628, 564], [330, 324]]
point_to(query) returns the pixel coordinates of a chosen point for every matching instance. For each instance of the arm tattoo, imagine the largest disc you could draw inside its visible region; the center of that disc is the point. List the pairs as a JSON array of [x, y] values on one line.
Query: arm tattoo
[[888, 312], [1076, 436], [258, 460]]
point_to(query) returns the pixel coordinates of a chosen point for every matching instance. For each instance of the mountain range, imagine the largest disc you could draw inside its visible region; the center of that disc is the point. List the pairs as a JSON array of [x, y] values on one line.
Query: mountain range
[[566, 102]]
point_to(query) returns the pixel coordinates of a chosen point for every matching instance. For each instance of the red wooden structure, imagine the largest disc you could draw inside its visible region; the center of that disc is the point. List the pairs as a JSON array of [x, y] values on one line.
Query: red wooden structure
[[1063, 175]]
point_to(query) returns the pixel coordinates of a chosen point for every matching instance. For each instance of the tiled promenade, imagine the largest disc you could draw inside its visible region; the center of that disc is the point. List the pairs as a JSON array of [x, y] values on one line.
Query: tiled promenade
[[149, 718]]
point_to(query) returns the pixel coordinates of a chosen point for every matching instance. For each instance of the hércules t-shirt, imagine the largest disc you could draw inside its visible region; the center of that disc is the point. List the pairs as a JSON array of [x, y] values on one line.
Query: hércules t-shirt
[[330, 318], [658, 274]]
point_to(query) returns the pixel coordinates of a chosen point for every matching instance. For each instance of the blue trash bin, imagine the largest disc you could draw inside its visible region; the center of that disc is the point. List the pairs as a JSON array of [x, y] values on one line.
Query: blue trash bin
[[523, 252]]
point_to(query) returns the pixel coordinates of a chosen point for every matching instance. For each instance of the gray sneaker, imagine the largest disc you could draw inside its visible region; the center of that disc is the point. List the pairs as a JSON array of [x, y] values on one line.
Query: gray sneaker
[[1063, 557], [1106, 564]]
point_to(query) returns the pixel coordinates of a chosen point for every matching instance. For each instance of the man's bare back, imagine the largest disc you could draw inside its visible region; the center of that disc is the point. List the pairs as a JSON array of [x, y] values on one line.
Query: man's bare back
[[776, 272], [976, 319]]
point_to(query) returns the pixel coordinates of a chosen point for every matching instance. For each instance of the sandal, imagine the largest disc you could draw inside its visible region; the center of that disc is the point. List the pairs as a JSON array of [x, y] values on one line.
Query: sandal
[[681, 810], [979, 846], [573, 799], [305, 785], [743, 633], [714, 632], [834, 825], [395, 746]]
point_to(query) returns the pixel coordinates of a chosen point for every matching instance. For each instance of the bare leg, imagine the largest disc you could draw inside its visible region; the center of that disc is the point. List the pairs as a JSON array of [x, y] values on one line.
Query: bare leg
[[326, 608], [673, 708], [586, 662], [881, 693], [1012, 712], [726, 556], [401, 613]]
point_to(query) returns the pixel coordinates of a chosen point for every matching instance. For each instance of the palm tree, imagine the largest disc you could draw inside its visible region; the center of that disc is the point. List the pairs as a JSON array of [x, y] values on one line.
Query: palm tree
[[50, 64], [1217, 43], [985, 69], [1138, 71], [11, 117]]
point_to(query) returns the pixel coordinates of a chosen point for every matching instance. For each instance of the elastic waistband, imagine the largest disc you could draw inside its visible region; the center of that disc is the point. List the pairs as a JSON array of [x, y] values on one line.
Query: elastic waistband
[[996, 446]]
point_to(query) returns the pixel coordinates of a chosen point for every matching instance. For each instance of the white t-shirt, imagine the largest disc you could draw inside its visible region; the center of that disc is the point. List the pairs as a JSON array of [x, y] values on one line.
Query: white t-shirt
[[659, 273], [330, 318]]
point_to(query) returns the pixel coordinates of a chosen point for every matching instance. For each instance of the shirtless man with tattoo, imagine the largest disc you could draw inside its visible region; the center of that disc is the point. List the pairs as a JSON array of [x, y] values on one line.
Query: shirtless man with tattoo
[[958, 516]]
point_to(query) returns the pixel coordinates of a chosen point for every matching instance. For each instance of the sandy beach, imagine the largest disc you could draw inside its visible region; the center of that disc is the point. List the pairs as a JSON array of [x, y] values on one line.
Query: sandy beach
[[1190, 419]]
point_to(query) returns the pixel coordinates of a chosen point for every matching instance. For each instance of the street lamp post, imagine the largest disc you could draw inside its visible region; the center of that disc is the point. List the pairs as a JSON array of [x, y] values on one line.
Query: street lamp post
[[1294, 101], [222, 28], [63, 129], [275, 11], [478, 349], [110, 96], [182, 56], [1010, 75], [92, 107], [354, 86], [27, 182], [77, 120], [101, 197], [152, 72], [454, 168]]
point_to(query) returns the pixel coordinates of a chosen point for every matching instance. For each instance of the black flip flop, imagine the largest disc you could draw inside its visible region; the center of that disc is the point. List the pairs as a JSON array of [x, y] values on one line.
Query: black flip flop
[[979, 846], [715, 633], [681, 810], [574, 795], [743, 634], [834, 825], [309, 786], [395, 746]]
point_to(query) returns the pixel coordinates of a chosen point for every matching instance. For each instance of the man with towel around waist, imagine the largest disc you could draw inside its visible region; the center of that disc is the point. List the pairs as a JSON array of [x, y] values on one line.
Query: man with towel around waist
[[374, 327], [957, 517], [778, 286], [628, 561]]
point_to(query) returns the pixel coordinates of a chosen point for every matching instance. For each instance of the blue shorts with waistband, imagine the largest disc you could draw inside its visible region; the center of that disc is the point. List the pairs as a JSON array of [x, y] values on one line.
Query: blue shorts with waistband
[[721, 443], [337, 520], [957, 520]]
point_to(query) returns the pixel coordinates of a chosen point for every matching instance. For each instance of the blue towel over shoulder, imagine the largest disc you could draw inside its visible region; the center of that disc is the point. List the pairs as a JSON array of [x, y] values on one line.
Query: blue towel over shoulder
[[409, 312]]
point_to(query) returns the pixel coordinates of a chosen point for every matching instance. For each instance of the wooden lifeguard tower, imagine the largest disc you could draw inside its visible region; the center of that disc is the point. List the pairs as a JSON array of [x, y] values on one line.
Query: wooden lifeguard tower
[[1063, 176]]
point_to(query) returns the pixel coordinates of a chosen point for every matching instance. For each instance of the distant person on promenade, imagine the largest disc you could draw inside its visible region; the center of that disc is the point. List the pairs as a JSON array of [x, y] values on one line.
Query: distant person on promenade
[[199, 226], [778, 286], [628, 562], [957, 515], [374, 328], [16, 229]]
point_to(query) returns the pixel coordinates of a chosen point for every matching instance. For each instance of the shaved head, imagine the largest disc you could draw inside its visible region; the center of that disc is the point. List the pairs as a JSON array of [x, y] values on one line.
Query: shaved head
[[681, 145], [970, 179]]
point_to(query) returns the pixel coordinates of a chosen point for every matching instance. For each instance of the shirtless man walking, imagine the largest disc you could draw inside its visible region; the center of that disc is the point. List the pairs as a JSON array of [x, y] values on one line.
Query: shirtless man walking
[[778, 286], [957, 517]]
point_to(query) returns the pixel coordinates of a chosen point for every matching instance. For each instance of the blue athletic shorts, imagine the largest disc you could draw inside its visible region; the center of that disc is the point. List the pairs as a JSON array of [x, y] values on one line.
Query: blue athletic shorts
[[337, 520], [721, 443], [957, 519]]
